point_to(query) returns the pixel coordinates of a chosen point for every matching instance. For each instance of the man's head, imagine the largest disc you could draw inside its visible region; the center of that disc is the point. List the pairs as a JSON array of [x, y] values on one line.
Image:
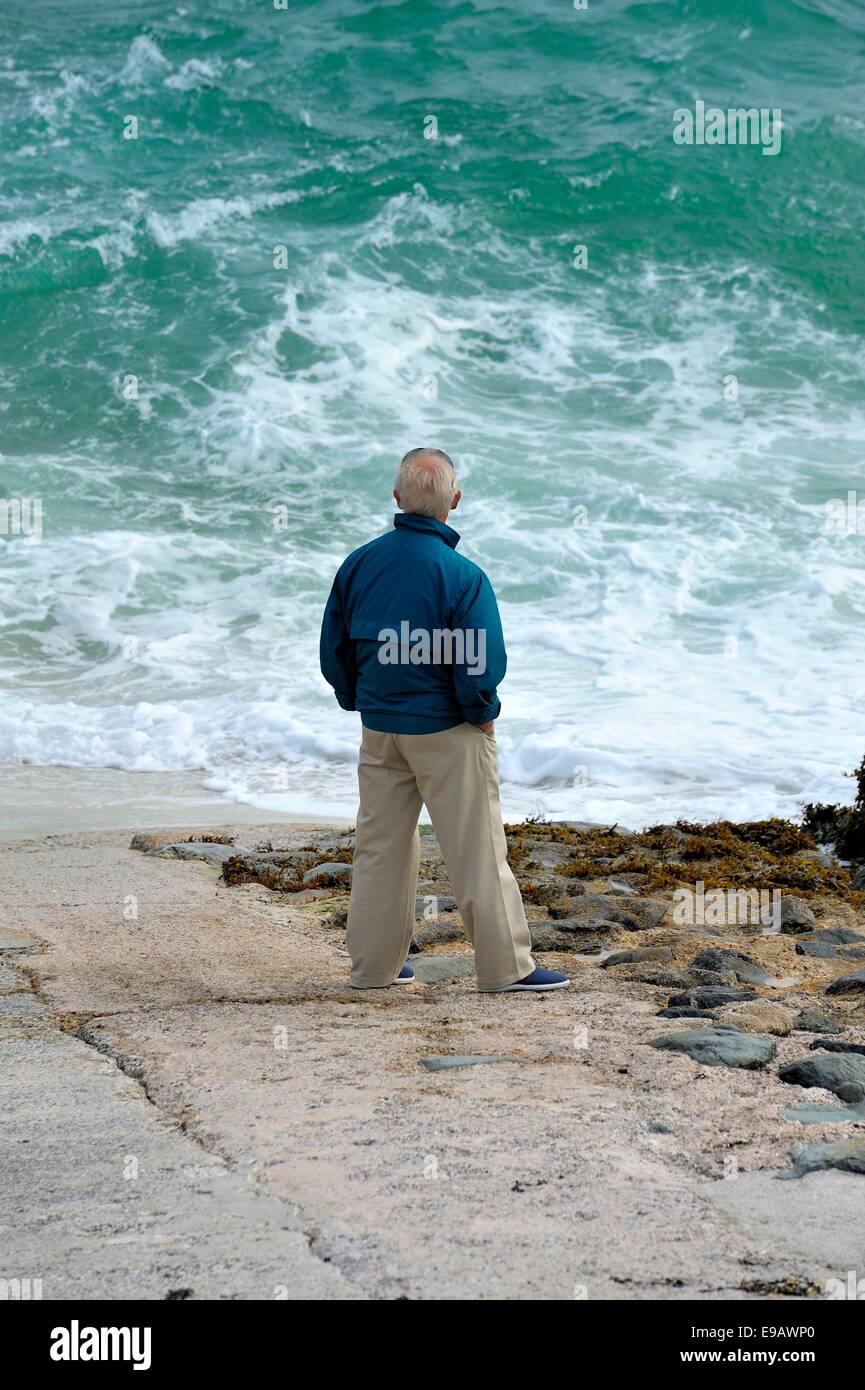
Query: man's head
[[426, 483]]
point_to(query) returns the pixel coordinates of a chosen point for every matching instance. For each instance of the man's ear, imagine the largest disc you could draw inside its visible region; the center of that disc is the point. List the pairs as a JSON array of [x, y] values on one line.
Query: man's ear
[[396, 498], [455, 503]]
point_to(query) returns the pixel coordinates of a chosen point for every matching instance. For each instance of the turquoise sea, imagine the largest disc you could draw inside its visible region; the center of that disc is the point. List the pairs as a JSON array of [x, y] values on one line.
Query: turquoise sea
[[249, 255]]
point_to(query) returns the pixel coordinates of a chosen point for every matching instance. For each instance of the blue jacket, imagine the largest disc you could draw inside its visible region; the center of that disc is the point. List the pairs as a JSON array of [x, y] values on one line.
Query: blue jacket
[[412, 635]]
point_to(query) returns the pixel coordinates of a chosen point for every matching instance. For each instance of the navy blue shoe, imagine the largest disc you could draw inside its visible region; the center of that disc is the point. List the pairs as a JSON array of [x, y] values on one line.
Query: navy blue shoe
[[537, 981], [405, 976]]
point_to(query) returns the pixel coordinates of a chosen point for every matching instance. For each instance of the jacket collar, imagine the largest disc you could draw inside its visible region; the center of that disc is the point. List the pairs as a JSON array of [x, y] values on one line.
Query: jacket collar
[[413, 521]]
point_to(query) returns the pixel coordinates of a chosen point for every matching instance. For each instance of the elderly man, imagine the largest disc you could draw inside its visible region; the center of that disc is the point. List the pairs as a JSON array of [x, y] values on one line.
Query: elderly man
[[413, 640]]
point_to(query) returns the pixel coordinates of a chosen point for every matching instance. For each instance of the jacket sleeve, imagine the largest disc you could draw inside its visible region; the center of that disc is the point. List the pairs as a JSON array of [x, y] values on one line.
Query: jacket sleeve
[[336, 651], [476, 677]]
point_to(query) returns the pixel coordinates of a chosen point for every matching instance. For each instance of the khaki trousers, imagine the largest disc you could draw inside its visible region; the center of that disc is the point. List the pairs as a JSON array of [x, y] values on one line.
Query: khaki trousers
[[455, 775]]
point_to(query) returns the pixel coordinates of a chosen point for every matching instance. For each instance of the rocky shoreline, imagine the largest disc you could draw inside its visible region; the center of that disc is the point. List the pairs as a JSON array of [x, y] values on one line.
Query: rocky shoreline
[[741, 937], [429, 1141]]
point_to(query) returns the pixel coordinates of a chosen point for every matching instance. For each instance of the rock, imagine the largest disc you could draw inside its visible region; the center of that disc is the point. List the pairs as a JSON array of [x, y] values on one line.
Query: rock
[[426, 909], [734, 962], [857, 882], [590, 946], [639, 953], [796, 916], [338, 920], [825, 944], [432, 970], [14, 941], [548, 938], [820, 856], [720, 1046], [711, 996], [633, 913], [841, 936], [824, 1114], [550, 857], [278, 858], [637, 914], [822, 1046], [760, 1016], [848, 984], [662, 979], [846, 1154], [535, 891], [683, 1011], [713, 978], [598, 925], [815, 1021], [619, 889], [845, 1075], [322, 874], [194, 849], [560, 911], [436, 933], [470, 1060], [144, 842]]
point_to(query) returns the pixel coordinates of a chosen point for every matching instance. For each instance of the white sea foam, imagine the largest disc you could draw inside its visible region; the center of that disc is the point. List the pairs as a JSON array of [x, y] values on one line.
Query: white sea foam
[[686, 652]]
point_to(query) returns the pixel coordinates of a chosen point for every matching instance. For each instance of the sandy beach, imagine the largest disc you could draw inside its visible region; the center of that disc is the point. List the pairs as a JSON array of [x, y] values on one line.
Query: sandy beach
[[213, 1113]]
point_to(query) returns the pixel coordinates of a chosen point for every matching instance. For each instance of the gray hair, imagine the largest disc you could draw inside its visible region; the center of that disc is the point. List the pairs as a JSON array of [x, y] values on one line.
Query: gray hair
[[426, 482]]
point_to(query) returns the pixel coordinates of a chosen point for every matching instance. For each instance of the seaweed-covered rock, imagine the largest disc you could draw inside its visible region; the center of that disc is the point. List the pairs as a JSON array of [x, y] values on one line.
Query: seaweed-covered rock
[[719, 1046], [323, 874]]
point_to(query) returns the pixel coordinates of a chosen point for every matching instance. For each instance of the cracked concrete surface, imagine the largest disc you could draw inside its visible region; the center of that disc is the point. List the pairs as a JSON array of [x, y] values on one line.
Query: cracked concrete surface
[[287, 1137], [103, 1197]]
